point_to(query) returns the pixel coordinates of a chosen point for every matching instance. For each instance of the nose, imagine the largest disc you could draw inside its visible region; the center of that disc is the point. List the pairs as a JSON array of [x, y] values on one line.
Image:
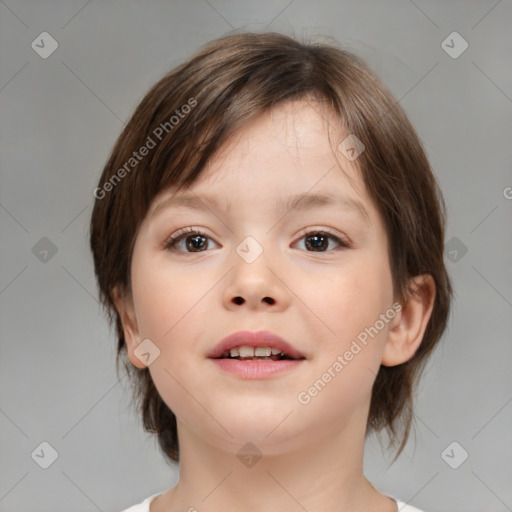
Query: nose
[[255, 286]]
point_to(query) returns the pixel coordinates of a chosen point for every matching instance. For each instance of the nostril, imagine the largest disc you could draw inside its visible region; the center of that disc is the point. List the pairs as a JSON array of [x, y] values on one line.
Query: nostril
[[240, 300]]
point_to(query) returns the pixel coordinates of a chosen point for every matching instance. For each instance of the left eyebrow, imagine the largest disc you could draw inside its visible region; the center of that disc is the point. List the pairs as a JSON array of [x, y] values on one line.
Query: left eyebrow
[[308, 201], [299, 202]]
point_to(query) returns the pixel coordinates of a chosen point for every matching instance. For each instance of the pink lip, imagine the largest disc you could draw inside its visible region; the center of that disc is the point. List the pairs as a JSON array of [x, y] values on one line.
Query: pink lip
[[254, 339], [257, 369]]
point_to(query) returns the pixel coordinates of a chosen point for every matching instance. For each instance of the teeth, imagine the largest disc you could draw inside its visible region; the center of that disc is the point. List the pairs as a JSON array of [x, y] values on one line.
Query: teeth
[[262, 351], [245, 351]]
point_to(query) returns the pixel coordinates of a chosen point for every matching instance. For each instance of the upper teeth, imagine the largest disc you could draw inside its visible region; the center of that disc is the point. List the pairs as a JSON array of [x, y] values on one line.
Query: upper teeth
[[245, 351]]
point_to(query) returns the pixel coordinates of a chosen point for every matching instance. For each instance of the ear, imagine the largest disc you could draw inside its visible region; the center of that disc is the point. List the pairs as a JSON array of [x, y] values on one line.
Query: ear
[[409, 325], [126, 310]]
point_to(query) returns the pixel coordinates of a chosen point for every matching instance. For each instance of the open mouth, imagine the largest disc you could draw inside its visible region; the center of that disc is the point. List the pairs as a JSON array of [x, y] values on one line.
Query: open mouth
[[246, 353]]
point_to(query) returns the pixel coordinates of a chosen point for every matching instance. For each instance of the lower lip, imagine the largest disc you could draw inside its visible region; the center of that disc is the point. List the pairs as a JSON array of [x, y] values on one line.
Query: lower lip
[[257, 369]]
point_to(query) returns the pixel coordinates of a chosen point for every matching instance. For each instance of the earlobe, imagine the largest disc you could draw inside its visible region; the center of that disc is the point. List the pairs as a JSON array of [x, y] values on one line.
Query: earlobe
[[126, 311], [407, 329]]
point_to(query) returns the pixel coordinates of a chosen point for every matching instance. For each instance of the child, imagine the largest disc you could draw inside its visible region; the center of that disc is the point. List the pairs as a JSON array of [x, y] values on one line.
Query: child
[[268, 238]]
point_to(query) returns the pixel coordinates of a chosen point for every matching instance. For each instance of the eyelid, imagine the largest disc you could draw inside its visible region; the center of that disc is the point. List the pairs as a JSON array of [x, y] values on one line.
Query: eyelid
[[343, 239]]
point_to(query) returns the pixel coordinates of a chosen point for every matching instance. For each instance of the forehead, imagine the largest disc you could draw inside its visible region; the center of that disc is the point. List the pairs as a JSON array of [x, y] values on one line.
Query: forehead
[[284, 152], [296, 142], [300, 129]]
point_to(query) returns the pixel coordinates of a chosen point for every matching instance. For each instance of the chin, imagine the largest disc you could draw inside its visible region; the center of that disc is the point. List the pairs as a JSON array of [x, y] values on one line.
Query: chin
[[266, 425]]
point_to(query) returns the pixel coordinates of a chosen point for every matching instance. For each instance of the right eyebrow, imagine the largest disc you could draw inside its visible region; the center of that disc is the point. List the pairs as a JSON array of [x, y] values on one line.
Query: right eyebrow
[[195, 202]]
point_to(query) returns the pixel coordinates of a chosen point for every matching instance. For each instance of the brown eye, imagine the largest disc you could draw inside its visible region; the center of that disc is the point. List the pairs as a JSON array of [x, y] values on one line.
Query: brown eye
[[188, 241], [321, 241], [196, 243], [317, 242]]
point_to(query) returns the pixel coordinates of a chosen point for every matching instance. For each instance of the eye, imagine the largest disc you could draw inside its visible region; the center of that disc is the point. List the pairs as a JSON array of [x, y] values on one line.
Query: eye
[[321, 241], [188, 240]]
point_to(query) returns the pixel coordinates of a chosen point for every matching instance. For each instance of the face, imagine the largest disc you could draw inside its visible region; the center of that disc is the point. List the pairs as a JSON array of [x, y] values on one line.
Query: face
[[314, 272]]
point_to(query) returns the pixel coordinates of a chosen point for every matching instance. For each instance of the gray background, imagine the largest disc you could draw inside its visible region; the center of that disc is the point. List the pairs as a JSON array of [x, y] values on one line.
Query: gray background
[[60, 117]]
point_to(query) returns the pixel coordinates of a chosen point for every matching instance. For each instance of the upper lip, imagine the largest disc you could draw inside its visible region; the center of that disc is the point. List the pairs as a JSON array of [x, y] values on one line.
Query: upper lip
[[254, 339]]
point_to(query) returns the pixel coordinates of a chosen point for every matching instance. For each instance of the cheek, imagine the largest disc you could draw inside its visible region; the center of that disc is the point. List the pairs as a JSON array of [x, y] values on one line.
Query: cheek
[[163, 296], [351, 298], [349, 303], [170, 306]]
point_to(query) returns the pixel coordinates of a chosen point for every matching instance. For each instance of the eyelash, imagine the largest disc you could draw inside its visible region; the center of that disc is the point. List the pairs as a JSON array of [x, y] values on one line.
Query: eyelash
[[171, 242]]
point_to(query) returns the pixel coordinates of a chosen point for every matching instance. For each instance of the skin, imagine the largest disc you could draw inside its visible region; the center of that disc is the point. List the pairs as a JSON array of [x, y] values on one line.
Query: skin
[[183, 302]]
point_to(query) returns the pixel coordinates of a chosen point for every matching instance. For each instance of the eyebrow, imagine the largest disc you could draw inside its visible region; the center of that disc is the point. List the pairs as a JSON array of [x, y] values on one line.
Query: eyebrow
[[308, 201], [194, 202], [300, 202]]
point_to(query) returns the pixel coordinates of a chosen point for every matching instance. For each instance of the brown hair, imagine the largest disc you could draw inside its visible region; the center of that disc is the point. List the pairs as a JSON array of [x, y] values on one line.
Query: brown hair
[[188, 115]]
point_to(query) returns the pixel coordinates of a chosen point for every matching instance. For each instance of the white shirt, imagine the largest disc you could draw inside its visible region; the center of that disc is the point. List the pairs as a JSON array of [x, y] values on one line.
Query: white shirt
[[144, 506]]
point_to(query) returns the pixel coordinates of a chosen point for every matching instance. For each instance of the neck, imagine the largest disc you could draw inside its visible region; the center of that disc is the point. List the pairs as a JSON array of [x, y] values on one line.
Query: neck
[[324, 474]]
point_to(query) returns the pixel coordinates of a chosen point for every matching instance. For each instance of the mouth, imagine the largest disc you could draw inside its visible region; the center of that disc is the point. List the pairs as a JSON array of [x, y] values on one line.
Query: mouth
[[255, 346], [256, 356], [247, 353]]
